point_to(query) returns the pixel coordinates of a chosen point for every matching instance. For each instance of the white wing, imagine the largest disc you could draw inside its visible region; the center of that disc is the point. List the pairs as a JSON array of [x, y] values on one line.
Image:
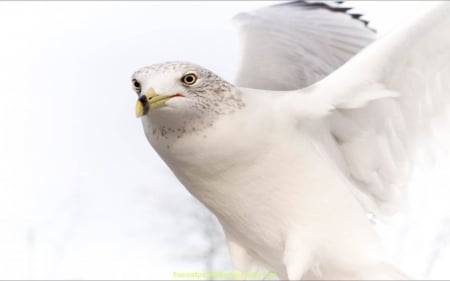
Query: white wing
[[292, 45], [383, 101]]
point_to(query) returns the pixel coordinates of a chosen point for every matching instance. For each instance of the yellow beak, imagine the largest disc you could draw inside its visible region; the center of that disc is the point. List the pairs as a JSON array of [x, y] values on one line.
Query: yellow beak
[[148, 101]]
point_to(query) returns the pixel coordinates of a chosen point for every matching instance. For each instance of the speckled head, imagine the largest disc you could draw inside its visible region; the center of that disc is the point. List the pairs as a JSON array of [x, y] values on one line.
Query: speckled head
[[180, 97]]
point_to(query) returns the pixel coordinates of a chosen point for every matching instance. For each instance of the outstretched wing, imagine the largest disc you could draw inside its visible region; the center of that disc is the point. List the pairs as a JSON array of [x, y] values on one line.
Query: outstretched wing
[[292, 45], [383, 102]]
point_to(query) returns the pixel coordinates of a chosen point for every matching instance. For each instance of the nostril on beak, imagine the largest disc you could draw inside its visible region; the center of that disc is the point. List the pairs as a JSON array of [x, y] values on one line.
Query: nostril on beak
[[143, 100]]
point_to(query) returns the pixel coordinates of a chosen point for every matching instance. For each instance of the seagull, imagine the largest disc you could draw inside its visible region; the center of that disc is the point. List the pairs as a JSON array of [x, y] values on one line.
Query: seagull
[[320, 130]]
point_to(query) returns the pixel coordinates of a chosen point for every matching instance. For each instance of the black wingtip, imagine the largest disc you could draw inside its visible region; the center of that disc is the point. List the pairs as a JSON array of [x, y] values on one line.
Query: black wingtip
[[334, 8]]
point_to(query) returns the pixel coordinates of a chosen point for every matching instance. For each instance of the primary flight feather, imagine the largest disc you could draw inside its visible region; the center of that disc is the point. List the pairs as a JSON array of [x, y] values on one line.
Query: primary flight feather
[[292, 158]]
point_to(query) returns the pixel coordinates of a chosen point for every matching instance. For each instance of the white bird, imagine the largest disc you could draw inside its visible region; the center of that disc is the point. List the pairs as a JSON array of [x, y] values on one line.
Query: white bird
[[291, 170]]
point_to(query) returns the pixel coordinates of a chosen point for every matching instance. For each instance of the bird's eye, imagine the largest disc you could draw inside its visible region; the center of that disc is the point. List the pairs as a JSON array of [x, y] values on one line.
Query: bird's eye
[[136, 86], [189, 79]]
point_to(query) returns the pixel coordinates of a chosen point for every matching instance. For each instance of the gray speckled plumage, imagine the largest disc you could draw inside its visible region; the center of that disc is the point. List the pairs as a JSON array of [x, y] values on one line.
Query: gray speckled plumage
[[210, 97]]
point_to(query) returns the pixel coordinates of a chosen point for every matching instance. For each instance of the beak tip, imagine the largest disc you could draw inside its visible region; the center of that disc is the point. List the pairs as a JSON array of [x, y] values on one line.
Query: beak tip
[[140, 109]]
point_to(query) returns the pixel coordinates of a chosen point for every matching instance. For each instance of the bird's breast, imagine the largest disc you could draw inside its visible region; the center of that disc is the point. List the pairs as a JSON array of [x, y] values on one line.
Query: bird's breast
[[263, 182]]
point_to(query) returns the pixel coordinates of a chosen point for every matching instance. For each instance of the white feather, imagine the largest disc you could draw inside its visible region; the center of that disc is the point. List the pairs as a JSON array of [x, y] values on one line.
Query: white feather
[[386, 99], [290, 46]]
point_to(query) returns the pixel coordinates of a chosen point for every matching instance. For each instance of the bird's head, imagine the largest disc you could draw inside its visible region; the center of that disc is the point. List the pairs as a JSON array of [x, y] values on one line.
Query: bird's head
[[175, 93]]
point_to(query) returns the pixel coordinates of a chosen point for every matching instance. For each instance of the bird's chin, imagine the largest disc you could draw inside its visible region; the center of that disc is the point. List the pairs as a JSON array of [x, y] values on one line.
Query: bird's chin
[[175, 106], [176, 102], [170, 106], [173, 109]]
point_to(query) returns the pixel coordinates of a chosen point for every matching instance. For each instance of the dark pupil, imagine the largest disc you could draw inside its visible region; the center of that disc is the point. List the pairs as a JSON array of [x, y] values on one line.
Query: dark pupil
[[136, 84], [189, 79]]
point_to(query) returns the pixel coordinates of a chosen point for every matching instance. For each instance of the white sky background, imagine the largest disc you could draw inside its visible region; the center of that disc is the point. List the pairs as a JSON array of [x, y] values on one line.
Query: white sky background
[[82, 194]]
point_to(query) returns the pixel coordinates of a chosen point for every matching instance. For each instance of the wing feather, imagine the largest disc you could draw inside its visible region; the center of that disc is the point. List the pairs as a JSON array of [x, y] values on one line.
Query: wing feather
[[385, 101], [379, 105], [318, 37]]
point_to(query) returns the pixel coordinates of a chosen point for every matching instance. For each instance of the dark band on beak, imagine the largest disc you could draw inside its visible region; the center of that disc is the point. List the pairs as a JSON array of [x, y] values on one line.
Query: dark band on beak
[[143, 99]]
